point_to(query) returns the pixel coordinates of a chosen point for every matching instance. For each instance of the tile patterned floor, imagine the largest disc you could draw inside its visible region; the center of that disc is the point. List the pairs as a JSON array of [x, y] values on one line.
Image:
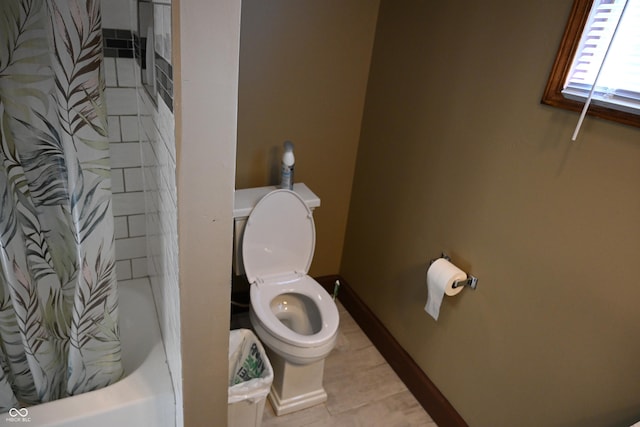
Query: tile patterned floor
[[363, 390]]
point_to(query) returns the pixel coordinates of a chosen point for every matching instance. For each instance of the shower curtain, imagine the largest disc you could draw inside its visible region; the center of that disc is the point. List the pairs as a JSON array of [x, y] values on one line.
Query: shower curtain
[[58, 302]]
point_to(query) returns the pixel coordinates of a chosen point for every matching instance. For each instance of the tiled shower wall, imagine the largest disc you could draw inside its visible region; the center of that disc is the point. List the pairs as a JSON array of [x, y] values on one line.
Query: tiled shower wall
[[126, 169], [159, 166], [143, 161]]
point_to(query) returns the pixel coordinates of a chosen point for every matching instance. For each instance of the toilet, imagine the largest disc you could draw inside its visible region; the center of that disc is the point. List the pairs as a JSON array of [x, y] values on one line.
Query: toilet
[[291, 313]]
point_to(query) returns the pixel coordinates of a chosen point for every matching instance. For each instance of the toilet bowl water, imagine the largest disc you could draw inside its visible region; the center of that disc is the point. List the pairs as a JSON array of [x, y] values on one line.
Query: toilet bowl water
[[297, 312]]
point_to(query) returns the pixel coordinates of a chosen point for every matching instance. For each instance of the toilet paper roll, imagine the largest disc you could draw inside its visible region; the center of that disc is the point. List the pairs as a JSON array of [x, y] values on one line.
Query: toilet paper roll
[[440, 277]]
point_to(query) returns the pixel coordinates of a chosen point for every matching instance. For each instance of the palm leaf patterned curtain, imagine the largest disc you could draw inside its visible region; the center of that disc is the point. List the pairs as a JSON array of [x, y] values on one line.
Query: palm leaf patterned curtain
[[58, 302]]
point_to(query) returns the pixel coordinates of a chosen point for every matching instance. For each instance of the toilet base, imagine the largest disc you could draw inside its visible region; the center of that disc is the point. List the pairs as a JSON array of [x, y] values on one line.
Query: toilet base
[[295, 387]]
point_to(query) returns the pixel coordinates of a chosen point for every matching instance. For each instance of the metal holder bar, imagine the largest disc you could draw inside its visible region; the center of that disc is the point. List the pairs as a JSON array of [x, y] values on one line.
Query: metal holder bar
[[470, 281]]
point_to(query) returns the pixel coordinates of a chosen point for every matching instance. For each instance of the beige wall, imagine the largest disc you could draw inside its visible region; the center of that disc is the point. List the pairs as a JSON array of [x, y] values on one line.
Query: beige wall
[[457, 154], [303, 75], [206, 112]]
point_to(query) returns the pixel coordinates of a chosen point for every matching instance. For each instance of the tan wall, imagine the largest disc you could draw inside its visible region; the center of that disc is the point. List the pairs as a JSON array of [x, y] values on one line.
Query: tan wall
[[303, 75], [457, 154], [206, 107]]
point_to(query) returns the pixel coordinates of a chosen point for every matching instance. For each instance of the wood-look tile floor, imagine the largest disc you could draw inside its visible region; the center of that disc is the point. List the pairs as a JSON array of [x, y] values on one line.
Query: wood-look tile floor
[[363, 390]]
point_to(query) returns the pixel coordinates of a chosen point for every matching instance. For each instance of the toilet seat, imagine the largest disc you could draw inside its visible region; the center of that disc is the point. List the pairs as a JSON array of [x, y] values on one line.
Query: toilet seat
[[308, 287], [277, 249], [279, 238]]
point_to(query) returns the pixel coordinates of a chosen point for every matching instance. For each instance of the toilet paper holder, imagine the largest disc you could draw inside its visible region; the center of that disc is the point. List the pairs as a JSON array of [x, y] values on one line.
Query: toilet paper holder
[[470, 281]]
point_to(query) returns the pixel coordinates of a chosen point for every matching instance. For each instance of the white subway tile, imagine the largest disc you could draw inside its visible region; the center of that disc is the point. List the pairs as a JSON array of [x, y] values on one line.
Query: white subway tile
[[152, 204], [148, 156], [133, 247], [125, 155], [161, 152], [121, 227], [165, 122], [137, 72], [139, 267], [126, 72], [128, 203], [117, 181], [133, 179], [158, 34], [150, 178], [137, 225], [148, 129], [151, 268], [116, 14], [121, 101], [147, 107], [141, 281], [129, 128], [152, 224], [155, 253], [166, 27], [123, 269], [113, 127], [110, 72]]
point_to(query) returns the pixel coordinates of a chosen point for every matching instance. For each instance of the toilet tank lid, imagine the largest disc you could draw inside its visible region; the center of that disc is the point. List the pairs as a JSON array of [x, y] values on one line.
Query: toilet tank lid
[[279, 237], [245, 199]]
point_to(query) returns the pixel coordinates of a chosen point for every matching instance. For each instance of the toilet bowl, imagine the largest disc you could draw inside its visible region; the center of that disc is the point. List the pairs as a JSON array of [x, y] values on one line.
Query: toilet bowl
[[297, 320], [291, 313]]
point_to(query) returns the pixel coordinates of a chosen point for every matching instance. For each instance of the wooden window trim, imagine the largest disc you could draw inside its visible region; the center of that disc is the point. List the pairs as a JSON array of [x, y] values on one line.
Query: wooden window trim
[[570, 40]]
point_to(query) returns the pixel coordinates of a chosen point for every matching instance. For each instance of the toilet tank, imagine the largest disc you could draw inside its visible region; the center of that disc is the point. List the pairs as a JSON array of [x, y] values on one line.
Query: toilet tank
[[245, 200]]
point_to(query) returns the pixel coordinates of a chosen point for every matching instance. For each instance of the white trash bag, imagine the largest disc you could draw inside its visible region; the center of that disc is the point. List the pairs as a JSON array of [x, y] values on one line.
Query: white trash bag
[[250, 373]]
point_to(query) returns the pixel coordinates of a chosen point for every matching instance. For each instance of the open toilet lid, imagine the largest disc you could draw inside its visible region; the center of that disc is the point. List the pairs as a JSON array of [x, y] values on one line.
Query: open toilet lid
[[279, 237]]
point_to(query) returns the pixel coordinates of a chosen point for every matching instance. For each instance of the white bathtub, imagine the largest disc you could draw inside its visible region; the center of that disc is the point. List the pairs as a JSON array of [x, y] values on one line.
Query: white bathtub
[[143, 398]]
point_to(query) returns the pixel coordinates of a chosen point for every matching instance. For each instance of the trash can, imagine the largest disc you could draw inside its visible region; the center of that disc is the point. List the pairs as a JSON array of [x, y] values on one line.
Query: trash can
[[250, 378]]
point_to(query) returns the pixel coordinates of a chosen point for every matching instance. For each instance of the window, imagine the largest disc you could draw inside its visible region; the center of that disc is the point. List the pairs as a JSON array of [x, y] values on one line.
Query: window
[[588, 39]]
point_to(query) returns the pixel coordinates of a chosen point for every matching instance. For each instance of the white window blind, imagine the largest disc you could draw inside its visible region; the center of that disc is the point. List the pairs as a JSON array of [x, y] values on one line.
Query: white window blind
[[618, 83]]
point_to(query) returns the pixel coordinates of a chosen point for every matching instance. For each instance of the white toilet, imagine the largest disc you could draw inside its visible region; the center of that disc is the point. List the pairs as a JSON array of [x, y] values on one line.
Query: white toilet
[[291, 313]]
